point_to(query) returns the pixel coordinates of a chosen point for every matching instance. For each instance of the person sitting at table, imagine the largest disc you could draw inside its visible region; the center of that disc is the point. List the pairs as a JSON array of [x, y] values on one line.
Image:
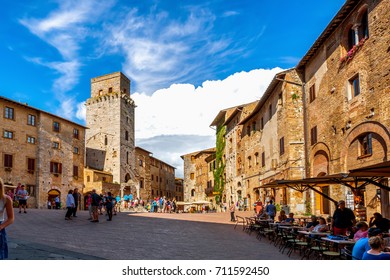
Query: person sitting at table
[[282, 216], [321, 227], [379, 222], [290, 218], [362, 231], [313, 223], [361, 246], [377, 245], [262, 216]]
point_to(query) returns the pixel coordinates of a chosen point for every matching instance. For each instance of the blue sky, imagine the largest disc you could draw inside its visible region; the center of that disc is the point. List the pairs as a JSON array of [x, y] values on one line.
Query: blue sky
[[186, 59]]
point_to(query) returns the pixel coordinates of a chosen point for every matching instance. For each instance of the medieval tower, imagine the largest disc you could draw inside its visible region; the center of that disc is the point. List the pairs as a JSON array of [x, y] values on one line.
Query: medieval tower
[[110, 127]]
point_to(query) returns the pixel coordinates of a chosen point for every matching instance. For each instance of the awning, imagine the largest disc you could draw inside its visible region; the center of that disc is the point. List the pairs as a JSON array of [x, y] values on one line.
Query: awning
[[200, 202], [356, 179], [377, 170]]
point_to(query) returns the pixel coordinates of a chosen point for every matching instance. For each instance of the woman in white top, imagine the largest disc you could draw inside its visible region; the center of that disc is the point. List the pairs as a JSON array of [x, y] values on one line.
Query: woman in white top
[[6, 218]]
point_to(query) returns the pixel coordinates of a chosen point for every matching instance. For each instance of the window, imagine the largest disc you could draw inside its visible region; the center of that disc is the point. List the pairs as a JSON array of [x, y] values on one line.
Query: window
[[104, 179], [312, 93], [124, 90], [8, 134], [248, 130], [157, 178], [281, 146], [313, 135], [253, 126], [261, 123], [56, 145], [30, 139], [141, 184], [56, 126], [256, 158], [9, 113], [31, 165], [262, 159], [76, 150], [270, 111], [354, 85], [351, 38], [365, 144], [75, 171], [192, 176], [100, 92], [152, 177], [105, 140], [249, 161], [126, 135], [75, 133], [127, 157], [55, 167], [141, 162], [31, 120], [8, 161], [192, 192], [280, 99], [88, 178], [110, 90], [363, 28]]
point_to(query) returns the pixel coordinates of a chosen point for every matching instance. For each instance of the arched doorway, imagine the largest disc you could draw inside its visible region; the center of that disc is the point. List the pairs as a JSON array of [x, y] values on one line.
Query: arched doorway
[[51, 196]]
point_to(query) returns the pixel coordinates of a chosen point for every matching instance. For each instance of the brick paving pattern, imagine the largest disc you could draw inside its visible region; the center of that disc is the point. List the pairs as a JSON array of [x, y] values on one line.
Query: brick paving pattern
[[44, 234]]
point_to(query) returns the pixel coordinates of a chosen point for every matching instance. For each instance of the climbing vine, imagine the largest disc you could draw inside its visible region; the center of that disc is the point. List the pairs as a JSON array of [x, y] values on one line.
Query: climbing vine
[[220, 165]]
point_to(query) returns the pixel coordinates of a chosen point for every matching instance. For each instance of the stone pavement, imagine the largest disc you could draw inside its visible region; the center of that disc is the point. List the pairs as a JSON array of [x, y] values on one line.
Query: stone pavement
[[44, 234]]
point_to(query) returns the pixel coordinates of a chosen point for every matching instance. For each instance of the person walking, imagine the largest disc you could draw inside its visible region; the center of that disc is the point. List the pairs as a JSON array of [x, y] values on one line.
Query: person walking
[[95, 202], [109, 205], [6, 219], [22, 197], [76, 196], [232, 210], [69, 205]]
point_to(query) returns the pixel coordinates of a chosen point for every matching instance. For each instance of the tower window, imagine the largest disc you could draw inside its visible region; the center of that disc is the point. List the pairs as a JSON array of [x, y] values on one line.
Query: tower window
[[110, 90]]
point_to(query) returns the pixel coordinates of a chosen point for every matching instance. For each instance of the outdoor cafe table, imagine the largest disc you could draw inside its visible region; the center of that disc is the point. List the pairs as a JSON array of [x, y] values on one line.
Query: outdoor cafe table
[[286, 226], [305, 232], [341, 242]]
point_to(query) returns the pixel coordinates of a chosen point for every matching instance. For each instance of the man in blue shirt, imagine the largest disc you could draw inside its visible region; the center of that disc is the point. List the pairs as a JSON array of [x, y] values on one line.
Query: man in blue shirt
[[270, 209]]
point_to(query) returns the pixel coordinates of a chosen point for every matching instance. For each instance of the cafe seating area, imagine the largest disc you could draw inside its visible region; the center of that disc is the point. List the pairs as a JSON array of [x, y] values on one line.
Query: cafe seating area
[[295, 238]]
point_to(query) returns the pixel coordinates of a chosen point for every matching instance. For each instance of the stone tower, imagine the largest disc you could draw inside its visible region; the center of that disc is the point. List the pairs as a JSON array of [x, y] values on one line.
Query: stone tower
[[110, 127]]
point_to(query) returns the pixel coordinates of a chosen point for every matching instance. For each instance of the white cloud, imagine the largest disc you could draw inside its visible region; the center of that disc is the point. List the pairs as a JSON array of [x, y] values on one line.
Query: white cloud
[[184, 109]]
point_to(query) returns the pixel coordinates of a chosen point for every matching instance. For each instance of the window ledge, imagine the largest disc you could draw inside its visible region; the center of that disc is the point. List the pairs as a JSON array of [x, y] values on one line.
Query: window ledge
[[364, 156]]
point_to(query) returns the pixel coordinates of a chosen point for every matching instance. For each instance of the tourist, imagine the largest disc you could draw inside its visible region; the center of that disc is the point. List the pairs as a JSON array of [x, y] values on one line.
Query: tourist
[[377, 245], [22, 197], [69, 205], [343, 219], [290, 218], [95, 202], [88, 202], [282, 216], [271, 210], [379, 222], [57, 202], [362, 230], [232, 209], [361, 246], [109, 205], [313, 222], [76, 196], [6, 218]]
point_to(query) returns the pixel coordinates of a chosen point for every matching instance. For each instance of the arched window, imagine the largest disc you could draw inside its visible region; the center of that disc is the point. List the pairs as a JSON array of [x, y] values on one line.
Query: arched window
[[193, 192]]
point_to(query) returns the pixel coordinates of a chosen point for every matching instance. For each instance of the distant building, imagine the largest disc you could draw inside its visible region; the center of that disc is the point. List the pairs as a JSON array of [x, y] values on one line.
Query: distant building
[[42, 151]]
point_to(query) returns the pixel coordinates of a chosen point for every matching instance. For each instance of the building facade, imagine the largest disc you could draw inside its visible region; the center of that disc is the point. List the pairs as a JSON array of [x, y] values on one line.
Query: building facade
[[346, 76], [42, 151]]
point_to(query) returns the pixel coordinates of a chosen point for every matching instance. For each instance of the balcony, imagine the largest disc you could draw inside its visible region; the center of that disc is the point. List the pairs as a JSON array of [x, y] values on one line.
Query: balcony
[[209, 191]]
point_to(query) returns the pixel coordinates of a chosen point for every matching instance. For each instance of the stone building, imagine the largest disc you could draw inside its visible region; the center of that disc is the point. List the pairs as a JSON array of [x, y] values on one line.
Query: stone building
[[228, 121], [110, 133], [155, 177], [272, 142], [195, 175], [42, 151], [210, 192], [347, 75], [179, 187]]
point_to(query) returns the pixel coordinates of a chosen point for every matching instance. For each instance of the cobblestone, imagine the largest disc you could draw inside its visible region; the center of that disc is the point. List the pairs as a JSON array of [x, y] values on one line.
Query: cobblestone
[[44, 234]]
